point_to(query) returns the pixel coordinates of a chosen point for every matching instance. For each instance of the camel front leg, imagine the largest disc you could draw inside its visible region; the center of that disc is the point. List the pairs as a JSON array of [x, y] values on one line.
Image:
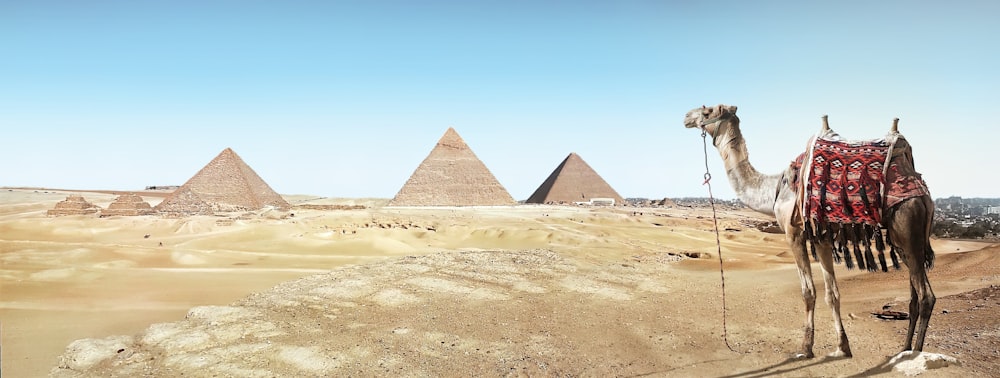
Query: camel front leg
[[833, 299], [798, 246]]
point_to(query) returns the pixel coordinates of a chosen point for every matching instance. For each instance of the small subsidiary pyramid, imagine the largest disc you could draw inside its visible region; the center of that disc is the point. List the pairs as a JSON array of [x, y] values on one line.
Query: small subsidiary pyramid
[[127, 204], [73, 205], [574, 181], [452, 175], [226, 184]]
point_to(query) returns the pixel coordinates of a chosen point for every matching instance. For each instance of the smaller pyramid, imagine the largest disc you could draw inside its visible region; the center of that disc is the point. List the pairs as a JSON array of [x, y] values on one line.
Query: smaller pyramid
[[128, 204], [226, 184], [73, 205], [574, 181], [452, 175]]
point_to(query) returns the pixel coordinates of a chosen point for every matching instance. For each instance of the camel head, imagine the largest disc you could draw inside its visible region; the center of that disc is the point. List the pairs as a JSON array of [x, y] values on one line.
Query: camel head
[[715, 121]]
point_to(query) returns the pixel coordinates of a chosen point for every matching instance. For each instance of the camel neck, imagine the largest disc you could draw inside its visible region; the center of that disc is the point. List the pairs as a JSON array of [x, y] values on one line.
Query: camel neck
[[756, 190]]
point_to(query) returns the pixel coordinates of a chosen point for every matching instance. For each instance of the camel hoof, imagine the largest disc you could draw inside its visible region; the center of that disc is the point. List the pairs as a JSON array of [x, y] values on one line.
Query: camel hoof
[[839, 354], [802, 356]]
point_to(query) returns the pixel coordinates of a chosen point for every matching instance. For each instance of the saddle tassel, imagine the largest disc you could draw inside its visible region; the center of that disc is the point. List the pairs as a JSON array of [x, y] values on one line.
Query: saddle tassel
[[811, 239], [879, 243], [845, 201], [848, 261], [821, 212], [857, 252], [870, 257], [876, 208], [892, 251], [831, 238], [866, 233], [881, 259], [864, 196], [870, 261], [839, 248], [860, 236]]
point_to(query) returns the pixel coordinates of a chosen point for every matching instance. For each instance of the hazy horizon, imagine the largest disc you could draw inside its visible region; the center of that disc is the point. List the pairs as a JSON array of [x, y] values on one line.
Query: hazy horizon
[[345, 99]]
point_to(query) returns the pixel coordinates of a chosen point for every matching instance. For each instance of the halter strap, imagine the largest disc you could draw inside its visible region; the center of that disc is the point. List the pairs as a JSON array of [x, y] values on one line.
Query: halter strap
[[717, 121]]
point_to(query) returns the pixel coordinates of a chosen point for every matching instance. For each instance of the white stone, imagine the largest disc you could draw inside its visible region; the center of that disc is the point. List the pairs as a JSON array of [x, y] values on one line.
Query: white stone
[[84, 354], [907, 363]]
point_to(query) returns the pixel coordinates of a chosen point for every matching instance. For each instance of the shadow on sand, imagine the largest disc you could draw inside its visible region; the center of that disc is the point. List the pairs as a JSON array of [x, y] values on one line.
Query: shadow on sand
[[885, 366], [786, 367], [777, 370], [782, 368]]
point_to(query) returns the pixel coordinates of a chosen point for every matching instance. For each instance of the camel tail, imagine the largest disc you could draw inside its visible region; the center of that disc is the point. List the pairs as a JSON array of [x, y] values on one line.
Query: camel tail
[[928, 255], [928, 251]]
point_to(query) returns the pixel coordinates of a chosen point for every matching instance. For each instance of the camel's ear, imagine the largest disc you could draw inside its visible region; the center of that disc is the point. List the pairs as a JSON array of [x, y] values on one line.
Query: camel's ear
[[723, 110]]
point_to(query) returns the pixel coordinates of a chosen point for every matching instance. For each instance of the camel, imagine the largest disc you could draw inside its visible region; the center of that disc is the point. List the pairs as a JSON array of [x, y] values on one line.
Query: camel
[[907, 225]]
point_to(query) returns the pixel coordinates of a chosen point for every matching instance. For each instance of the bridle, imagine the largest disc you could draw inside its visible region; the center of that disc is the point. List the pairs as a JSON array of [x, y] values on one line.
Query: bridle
[[717, 121]]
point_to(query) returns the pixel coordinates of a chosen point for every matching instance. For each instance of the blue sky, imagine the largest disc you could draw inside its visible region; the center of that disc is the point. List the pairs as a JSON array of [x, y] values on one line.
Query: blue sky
[[345, 98]]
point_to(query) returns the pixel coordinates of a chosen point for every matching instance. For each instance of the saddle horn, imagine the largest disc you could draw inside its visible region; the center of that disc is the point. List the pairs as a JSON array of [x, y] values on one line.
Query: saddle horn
[[826, 125], [895, 126]]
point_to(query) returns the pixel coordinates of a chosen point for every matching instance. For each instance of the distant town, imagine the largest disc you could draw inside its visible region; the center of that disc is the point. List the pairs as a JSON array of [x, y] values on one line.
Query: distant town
[[967, 218], [954, 217]]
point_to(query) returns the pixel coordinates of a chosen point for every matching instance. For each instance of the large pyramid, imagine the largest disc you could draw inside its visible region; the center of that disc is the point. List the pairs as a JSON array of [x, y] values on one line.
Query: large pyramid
[[574, 181], [225, 184], [452, 175]]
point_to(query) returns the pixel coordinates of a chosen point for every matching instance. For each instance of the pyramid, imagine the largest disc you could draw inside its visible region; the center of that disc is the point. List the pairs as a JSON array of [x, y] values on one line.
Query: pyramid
[[226, 184], [452, 175], [574, 181], [73, 205], [128, 204]]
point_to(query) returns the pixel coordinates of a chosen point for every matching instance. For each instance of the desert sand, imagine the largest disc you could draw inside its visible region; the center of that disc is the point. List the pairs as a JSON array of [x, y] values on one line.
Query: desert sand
[[485, 291]]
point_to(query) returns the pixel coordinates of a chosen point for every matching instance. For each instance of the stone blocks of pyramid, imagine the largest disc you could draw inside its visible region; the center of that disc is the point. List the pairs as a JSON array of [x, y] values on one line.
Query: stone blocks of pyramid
[[73, 205], [452, 175], [128, 204], [226, 184], [573, 181]]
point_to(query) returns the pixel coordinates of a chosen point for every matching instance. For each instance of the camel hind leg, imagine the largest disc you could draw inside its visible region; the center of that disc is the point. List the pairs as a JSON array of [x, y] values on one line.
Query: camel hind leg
[[909, 233]]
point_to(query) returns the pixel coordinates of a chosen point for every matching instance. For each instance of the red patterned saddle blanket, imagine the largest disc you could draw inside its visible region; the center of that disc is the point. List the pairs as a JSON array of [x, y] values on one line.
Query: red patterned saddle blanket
[[852, 182], [843, 188]]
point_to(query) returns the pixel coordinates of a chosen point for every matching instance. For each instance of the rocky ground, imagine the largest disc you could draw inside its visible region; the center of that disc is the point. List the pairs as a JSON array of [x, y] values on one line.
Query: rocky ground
[[506, 291], [527, 313]]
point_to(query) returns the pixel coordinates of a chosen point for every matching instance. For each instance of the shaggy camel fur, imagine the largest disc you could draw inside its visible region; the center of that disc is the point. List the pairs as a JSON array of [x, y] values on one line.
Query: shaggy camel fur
[[907, 225]]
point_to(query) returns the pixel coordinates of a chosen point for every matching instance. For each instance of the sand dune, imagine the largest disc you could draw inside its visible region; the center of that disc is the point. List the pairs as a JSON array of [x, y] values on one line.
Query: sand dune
[[538, 290]]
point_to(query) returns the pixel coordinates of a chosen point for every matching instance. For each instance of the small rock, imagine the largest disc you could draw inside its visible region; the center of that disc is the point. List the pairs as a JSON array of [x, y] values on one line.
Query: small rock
[[86, 353], [911, 365]]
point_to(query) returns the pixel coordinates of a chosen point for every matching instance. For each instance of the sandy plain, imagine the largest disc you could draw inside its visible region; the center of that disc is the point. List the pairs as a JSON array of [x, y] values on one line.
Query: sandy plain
[[496, 291]]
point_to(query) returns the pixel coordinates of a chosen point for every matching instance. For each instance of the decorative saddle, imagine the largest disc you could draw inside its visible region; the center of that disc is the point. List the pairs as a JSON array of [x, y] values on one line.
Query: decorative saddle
[[845, 186]]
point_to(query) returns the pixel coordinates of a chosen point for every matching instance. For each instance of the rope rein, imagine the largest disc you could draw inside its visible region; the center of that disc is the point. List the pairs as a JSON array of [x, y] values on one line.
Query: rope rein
[[718, 243]]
